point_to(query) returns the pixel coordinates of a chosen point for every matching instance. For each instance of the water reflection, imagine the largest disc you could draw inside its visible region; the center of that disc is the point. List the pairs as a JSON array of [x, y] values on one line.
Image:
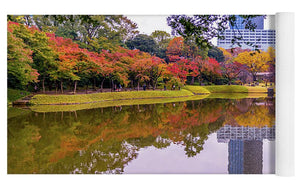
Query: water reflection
[[107, 140], [245, 147]]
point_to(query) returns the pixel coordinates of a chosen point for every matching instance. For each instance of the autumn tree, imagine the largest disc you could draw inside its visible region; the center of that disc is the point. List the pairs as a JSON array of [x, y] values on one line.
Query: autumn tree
[[211, 69], [43, 55], [227, 55], [230, 68], [271, 63], [117, 65], [255, 61], [19, 61], [175, 48], [179, 69], [71, 60]]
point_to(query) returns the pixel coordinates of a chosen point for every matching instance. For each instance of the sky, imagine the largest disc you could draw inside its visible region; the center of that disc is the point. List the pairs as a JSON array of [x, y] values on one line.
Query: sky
[[149, 23]]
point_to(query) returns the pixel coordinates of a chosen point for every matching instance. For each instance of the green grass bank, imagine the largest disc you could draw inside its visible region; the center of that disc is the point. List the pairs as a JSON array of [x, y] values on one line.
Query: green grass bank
[[103, 104], [218, 91], [14, 94], [225, 89], [109, 96]]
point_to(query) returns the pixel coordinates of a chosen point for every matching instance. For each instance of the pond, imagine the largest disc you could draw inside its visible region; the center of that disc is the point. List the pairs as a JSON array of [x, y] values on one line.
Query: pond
[[212, 135]]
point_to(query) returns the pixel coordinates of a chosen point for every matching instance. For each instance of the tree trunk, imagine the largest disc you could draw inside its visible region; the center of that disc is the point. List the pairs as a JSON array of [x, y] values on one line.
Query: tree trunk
[[56, 86], [138, 86], [43, 84], [193, 80], [61, 87], [229, 81], [154, 84], [75, 85], [254, 77], [199, 80], [112, 85], [50, 86], [94, 86], [102, 82]]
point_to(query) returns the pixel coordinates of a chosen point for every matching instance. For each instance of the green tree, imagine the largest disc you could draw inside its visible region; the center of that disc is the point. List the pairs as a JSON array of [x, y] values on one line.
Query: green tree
[[162, 38], [43, 55], [19, 62], [144, 43], [216, 53]]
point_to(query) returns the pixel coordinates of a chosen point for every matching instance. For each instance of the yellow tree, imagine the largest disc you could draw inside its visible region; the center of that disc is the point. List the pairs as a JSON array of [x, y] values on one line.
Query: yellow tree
[[272, 54], [227, 56], [255, 61]]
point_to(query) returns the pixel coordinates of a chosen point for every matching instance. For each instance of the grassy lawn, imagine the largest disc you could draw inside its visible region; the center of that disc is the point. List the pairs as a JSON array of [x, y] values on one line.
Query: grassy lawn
[[196, 89], [14, 94], [226, 89], [109, 96], [237, 95], [187, 91], [76, 107], [257, 89]]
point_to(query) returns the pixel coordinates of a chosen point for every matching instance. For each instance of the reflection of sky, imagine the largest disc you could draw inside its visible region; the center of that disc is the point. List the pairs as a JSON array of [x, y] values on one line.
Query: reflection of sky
[[268, 157], [212, 159]]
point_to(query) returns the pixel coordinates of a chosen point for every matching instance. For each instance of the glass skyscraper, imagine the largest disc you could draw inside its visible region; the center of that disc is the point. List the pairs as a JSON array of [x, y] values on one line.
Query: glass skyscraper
[[240, 24]]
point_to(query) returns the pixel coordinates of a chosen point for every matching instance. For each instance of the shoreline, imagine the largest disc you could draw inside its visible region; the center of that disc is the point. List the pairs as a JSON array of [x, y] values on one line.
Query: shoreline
[[189, 92], [119, 103]]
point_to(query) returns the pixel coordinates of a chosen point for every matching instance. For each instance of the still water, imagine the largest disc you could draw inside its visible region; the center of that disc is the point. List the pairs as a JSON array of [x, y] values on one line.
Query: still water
[[232, 136]]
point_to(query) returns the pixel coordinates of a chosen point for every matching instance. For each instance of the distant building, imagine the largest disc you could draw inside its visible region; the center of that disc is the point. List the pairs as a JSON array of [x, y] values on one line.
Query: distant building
[[259, 37], [240, 24], [264, 75]]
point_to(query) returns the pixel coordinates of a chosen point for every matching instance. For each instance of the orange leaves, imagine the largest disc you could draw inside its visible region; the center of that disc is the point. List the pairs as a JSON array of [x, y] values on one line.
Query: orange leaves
[[175, 46]]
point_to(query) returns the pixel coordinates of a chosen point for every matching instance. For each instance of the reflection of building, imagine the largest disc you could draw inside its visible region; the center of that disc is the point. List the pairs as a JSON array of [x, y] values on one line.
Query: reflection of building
[[245, 147], [229, 132], [236, 156], [260, 37]]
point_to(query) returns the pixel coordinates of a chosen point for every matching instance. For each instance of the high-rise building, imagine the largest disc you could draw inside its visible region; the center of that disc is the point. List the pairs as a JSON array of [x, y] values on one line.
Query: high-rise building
[[258, 39], [240, 22]]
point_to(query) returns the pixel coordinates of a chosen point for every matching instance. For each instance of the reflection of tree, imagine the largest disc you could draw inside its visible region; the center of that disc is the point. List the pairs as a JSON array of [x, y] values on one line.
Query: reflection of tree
[[251, 112], [194, 140], [21, 149], [161, 142], [104, 140], [101, 157]]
